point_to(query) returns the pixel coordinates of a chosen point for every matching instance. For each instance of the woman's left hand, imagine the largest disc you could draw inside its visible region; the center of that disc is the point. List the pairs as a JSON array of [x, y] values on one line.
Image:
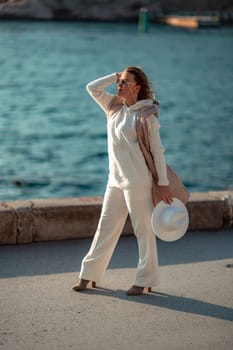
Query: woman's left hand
[[165, 194]]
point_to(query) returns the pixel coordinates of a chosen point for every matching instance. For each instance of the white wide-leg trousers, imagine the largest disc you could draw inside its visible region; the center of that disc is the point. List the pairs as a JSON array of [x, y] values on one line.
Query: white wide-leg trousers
[[116, 206]]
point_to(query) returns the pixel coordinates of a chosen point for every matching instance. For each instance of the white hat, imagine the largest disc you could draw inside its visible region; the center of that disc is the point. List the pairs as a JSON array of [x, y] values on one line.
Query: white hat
[[170, 222]]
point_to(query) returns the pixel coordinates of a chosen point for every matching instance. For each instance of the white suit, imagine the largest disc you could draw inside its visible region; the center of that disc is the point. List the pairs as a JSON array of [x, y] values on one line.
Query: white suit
[[128, 190]]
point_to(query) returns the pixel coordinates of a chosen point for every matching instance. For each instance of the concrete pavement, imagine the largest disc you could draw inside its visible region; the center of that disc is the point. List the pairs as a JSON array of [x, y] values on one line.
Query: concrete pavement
[[191, 309]]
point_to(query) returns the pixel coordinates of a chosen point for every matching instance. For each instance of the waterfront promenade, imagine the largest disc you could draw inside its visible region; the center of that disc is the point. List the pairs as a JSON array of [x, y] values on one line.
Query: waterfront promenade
[[191, 309]]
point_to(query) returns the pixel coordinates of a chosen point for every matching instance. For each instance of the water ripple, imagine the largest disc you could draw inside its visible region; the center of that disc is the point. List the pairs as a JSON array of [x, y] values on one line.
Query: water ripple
[[53, 135]]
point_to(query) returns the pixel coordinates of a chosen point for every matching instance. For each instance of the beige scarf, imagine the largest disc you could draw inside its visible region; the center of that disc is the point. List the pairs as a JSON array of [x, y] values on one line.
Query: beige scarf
[[177, 188]]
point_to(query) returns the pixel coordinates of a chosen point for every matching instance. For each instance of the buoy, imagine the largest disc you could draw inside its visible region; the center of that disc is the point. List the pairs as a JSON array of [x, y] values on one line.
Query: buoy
[[143, 20]]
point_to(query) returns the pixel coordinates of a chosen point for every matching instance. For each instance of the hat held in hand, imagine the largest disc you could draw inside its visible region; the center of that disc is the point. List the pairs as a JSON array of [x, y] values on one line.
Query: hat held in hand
[[170, 222]]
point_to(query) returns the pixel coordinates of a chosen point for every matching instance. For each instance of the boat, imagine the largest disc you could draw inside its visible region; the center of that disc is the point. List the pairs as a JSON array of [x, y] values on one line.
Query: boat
[[194, 22]]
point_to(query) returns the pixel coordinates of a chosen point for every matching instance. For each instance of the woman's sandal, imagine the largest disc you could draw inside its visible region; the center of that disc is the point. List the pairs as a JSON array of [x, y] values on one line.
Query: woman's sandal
[[83, 284], [136, 290]]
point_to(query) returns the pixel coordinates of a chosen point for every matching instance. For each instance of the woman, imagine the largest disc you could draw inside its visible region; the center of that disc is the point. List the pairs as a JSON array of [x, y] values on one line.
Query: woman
[[129, 183]]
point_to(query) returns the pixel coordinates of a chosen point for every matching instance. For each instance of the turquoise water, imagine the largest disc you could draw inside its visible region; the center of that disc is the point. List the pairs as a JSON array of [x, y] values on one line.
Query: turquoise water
[[53, 135]]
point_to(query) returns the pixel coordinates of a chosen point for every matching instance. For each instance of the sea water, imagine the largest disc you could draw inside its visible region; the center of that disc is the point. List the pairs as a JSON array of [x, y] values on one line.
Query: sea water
[[53, 140]]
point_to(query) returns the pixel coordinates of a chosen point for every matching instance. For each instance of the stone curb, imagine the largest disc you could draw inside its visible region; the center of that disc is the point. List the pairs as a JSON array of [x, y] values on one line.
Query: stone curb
[[73, 218]]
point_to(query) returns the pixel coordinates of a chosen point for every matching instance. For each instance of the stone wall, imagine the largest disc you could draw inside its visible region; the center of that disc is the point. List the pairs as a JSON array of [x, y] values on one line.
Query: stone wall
[[109, 10], [75, 218]]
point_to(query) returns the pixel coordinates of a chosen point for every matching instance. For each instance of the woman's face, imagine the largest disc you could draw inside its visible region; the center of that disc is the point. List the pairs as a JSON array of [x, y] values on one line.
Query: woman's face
[[127, 87]]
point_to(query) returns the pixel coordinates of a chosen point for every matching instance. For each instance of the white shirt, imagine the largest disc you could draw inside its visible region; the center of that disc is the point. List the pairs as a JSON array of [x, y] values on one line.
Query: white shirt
[[127, 167]]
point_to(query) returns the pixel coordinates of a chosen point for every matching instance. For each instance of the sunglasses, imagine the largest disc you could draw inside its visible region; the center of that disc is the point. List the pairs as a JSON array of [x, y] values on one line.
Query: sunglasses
[[123, 82]]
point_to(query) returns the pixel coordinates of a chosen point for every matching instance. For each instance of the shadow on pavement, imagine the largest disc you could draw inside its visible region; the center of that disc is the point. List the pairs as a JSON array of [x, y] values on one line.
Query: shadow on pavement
[[65, 256], [171, 302]]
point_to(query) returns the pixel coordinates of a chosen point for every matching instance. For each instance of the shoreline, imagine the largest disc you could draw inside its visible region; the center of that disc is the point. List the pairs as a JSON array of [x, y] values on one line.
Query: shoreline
[[111, 11], [39, 220], [161, 20]]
